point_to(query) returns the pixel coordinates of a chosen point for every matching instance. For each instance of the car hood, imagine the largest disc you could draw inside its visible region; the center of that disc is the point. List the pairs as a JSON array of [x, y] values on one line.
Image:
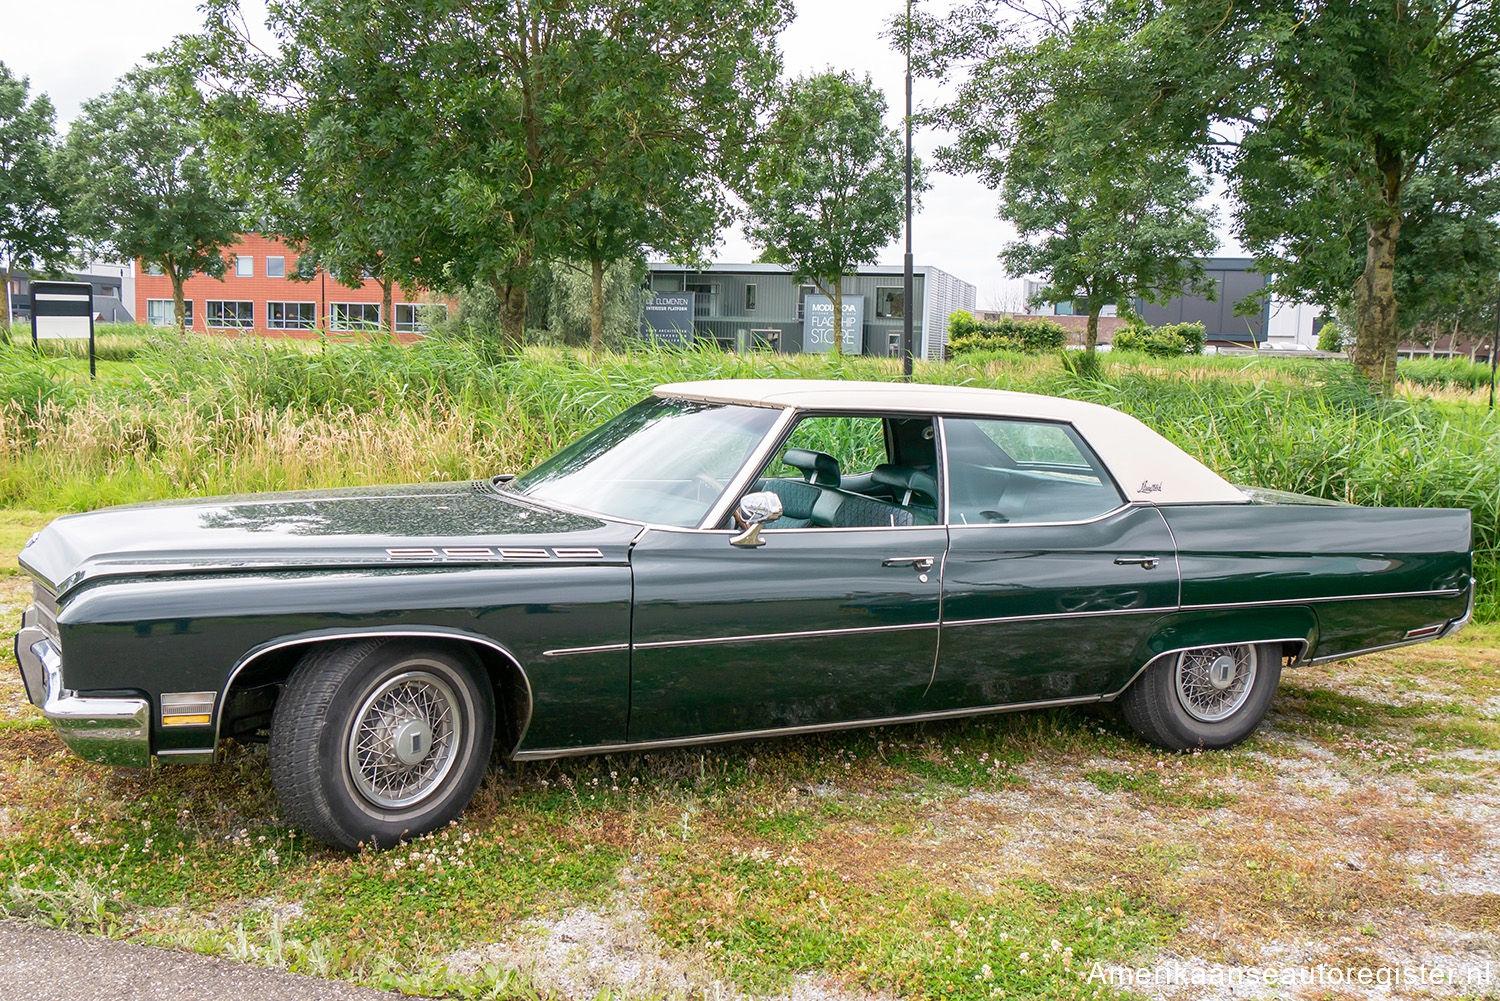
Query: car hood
[[439, 523]]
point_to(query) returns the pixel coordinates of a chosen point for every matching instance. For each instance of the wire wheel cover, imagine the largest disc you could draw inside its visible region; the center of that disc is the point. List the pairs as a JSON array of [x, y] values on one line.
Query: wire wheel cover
[[1213, 683], [404, 740]]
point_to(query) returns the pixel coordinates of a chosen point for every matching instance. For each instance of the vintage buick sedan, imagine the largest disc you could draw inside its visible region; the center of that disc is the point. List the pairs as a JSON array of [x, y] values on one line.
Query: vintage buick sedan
[[721, 561]]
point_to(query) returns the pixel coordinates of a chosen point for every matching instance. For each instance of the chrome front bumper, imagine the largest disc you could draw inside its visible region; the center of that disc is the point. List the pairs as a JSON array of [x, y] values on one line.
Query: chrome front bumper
[[109, 730]]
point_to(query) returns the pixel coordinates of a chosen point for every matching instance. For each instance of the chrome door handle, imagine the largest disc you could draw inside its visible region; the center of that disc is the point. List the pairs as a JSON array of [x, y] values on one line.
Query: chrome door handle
[[1144, 562], [918, 563]]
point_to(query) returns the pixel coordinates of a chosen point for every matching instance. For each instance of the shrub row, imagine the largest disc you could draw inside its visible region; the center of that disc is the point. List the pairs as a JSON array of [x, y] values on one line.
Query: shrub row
[[967, 335], [1166, 341]]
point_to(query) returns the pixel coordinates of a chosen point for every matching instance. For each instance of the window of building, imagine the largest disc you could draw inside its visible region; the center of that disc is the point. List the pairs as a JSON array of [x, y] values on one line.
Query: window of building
[[803, 291], [354, 316], [229, 314], [418, 317], [705, 294], [244, 266], [890, 301], [161, 312], [291, 315], [153, 268], [275, 267], [750, 298]]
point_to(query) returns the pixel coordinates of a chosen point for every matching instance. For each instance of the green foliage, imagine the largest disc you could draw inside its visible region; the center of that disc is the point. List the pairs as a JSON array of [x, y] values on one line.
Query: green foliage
[[33, 234], [1445, 373], [499, 135], [139, 183], [1166, 341], [967, 335], [1330, 338], [1106, 205], [1353, 120], [826, 191]]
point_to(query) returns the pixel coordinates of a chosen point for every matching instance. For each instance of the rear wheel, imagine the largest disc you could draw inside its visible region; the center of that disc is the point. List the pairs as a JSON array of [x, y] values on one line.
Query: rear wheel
[[1205, 697], [377, 741]]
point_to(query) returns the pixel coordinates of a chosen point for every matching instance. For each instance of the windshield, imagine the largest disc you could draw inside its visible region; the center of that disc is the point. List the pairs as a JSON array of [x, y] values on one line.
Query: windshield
[[662, 461]]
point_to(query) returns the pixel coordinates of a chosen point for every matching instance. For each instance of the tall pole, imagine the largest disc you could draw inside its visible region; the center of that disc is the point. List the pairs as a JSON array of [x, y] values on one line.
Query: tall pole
[[1494, 355], [908, 341]]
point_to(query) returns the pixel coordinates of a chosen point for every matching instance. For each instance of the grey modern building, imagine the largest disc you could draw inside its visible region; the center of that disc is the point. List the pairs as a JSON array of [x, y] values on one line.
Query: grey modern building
[[114, 287], [742, 306], [1233, 280]]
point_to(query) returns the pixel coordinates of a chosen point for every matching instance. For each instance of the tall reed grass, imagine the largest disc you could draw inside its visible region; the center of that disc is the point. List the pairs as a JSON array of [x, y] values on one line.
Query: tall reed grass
[[212, 416]]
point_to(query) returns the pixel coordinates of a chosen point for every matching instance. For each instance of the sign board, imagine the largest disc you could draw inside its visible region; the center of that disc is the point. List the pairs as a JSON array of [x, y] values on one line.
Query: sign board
[[667, 319], [817, 324], [63, 311]]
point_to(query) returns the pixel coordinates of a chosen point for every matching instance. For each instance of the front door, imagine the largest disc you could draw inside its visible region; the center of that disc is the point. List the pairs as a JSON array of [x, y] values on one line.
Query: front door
[[834, 620]]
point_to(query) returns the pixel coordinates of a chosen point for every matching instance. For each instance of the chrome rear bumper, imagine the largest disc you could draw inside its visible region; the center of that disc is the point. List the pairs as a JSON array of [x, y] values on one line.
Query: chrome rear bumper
[[109, 730]]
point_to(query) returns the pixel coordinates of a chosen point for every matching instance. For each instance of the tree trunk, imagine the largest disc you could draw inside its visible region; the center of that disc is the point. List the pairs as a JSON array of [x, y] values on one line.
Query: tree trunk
[[1091, 335], [512, 299], [5, 274], [1375, 332], [596, 309], [838, 316], [178, 306], [385, 306]]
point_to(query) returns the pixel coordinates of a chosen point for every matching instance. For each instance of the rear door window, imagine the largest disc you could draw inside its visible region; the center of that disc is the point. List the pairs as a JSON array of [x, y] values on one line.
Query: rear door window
[[1023, 472]]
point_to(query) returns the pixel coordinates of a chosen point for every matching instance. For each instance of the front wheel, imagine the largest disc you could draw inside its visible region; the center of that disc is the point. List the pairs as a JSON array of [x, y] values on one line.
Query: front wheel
[[377, 741], [1206, 697]]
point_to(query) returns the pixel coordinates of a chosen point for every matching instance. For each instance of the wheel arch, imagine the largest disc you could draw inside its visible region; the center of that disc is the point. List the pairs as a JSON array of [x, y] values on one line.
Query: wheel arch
[[1293, 627], [273, 661]]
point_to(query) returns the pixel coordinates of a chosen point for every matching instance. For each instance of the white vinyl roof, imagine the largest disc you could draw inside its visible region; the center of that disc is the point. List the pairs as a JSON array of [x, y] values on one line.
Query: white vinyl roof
[[1147, 466]]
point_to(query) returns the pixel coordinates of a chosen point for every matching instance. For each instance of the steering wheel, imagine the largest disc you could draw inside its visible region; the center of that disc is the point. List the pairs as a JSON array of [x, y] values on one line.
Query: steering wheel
[[714, 486]]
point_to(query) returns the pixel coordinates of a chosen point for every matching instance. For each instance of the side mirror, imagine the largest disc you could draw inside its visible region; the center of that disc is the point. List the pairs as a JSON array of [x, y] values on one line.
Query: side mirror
[[755, 510]]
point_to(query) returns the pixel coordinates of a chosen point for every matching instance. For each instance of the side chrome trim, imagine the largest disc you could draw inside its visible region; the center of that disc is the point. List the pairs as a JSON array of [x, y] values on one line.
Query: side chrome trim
[[758, 637], [792, 731], [1451, 592], [377, 632], [1301, 640], [574, 651], [1159, 610]]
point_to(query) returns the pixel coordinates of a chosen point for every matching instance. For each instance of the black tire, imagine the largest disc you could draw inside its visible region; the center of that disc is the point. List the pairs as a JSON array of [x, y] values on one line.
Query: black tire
[[1181, 717], [391, 692]]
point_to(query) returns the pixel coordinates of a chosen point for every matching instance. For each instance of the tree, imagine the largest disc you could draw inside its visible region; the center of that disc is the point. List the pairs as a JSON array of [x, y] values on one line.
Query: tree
[[1315, 112], [33, 234], [491, 135], [331, 175], [827, 190], [1105, 204], [139, 184]]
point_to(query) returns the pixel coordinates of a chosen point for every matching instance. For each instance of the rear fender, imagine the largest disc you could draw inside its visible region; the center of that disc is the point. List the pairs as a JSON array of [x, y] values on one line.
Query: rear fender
[[1294, 627]]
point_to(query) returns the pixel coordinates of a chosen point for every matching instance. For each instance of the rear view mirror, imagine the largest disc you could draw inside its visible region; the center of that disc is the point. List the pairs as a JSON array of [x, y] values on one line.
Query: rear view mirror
[[755, 510]]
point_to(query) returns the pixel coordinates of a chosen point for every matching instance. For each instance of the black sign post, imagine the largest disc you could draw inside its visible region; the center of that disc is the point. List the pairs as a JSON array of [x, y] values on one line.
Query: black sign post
[[63, 311]]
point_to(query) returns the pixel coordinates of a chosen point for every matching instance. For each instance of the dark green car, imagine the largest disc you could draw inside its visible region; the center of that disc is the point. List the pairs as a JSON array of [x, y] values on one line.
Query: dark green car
[[724, 560]]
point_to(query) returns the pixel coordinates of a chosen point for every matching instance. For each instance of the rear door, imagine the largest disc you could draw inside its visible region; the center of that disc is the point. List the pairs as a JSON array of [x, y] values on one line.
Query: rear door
[[1052, 581]]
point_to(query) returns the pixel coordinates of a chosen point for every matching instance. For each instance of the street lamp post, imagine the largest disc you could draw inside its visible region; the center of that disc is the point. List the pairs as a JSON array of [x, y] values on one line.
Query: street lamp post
[[908, 281], [1494, 354]]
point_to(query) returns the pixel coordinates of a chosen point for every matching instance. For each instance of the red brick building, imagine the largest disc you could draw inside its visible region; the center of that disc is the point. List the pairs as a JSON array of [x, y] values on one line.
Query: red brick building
[[258, 295]]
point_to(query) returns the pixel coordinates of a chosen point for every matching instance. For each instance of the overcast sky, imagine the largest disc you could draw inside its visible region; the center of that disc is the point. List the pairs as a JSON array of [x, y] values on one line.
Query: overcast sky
[[74, 49]]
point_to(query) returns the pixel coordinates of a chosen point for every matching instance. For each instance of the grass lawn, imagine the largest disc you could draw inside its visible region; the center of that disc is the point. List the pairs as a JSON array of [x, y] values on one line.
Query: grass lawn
[[1004, 857]]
